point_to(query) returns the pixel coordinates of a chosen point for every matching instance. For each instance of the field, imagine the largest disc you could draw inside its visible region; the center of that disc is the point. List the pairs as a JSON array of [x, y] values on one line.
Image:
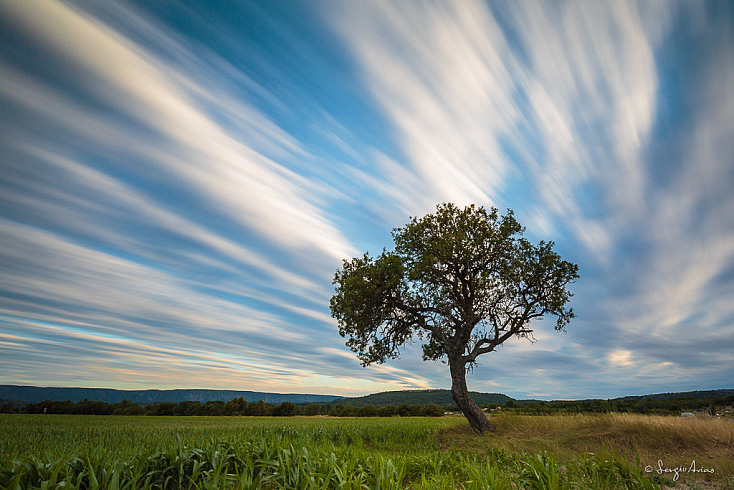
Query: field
[[582, 451]]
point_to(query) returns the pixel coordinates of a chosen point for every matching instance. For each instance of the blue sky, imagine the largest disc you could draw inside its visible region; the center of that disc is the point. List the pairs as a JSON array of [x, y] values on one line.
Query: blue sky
[[179, 182]]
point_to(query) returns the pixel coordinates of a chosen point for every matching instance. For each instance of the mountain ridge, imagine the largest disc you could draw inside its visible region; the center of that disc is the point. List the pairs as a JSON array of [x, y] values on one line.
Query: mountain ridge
[[442, 397], [681, 394], [35, 394]]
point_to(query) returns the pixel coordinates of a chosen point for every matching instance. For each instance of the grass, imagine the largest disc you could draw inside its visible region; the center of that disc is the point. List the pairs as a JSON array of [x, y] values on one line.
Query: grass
[[122, 437], [676, 441], [585, 451]]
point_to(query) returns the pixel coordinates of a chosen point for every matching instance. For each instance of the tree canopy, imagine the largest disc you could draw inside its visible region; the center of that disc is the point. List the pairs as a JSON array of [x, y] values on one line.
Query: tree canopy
[[463, 280]]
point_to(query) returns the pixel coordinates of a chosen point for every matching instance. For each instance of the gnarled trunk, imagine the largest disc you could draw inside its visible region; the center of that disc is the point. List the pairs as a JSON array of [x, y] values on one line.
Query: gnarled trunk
[[476, 417]]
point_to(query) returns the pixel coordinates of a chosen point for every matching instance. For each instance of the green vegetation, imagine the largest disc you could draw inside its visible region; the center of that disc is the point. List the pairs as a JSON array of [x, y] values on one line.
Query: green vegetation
[[664, 404], [237, 406], [674, 440], [408, 403], [584, 451], [442, 398], [463, 282], [385, 404]]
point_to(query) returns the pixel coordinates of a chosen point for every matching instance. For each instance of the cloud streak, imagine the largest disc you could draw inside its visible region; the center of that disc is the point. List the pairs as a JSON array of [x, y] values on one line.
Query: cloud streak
[[566, 102], [88, 240], [177, 190], [216, 164]]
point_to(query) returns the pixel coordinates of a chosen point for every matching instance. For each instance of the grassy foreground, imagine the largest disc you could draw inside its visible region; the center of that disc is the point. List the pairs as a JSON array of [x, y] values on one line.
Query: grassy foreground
[[658, 443], [585, 451]]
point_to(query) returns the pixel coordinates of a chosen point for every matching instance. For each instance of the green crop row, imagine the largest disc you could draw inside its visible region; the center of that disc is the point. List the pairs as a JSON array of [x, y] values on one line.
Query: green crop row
[[262, 464], [300, 454]]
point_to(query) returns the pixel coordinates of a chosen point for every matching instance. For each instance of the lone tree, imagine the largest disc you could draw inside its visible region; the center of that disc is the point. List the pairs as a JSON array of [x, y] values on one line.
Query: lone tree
[[462, 280]]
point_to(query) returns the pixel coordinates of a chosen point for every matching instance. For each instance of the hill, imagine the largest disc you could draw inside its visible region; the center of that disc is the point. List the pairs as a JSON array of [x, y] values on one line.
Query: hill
[[684, 394], [419, 397], [35, 394]]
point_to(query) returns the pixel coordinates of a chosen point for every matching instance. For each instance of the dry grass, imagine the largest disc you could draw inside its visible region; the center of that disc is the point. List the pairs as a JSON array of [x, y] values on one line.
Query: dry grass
[[675, 441]]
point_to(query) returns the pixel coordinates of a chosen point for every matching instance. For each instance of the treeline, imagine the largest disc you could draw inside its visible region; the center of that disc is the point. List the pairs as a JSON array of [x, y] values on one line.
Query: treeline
[[648, 405], [238, 406], [442, 398], [235, 407]]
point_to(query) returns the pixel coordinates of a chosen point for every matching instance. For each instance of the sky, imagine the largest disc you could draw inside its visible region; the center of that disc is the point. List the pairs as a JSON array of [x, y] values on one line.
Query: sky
[[180, 180]]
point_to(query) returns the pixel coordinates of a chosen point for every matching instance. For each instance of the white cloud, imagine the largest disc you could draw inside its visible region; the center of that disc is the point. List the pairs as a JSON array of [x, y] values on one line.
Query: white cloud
[[572, 91], [50, 270], [687, 229], [438, 73], [591, 82], [243, 184], [548, 109], [620, 358]]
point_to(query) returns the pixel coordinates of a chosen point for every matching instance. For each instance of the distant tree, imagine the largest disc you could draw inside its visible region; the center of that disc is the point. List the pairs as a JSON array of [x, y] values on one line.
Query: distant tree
[[313, 409], [235, 406], [7, 407], [258, 408], [368, 411], [165, 408], [463, 280], [285, 409], [387, 411], [431, 410], [126, 407], [189, 407], [404, 410], [337, 410], [213, 408]]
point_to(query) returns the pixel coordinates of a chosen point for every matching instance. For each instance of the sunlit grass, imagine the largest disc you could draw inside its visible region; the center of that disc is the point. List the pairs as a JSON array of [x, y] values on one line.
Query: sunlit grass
[[583, 451], [127, 436], [676, 441]]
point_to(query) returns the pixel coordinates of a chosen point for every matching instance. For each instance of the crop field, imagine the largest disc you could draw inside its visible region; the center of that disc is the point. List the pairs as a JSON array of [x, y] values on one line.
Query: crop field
[[582, 451]]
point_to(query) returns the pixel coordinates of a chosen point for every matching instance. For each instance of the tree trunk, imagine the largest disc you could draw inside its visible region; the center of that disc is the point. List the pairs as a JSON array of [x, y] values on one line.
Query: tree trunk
[[476, 417]]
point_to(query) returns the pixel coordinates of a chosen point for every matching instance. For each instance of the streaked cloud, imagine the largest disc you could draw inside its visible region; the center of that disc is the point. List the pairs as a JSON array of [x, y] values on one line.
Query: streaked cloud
[[437, 71], [177, 190], [620, 358], [216, 164]]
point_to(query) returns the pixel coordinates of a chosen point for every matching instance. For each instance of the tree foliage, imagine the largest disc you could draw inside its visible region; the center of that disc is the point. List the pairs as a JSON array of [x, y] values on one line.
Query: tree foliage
[[462, 280]]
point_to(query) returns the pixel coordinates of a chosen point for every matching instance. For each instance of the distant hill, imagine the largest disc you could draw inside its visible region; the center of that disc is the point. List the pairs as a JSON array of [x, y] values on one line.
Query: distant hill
[[684, 394], [35, 394], [420, 397]]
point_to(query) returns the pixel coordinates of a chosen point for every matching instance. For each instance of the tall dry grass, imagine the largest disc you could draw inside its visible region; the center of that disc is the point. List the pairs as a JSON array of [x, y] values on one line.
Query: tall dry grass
[[624, 431], [676, 441]]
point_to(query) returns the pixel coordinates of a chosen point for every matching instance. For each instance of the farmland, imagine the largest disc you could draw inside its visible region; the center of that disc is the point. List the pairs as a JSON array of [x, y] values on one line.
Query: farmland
[[581, 451]]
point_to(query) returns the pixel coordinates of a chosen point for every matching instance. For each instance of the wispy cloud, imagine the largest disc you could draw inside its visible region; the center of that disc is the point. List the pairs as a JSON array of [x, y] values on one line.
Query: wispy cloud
[[438, 73], [557, 100], [217, 164], [555, 111], [148, 207], [176, 205]]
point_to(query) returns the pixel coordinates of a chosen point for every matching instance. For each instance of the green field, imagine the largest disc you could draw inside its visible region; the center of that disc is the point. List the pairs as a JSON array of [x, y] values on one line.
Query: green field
[[585, 451]]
